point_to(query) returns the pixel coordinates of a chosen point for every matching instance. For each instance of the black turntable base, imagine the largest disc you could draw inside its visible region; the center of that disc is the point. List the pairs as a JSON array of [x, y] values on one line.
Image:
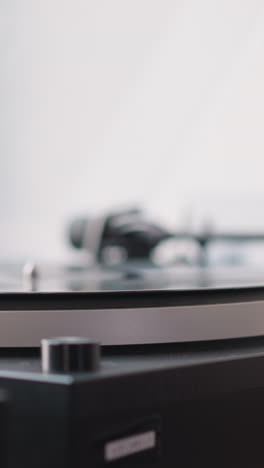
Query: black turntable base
[[144, 406], [139, 367]]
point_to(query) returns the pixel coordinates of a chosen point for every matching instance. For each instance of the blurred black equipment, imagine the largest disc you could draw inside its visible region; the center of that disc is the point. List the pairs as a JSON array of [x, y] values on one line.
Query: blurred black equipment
[[126, 233], [189, 405], [140, 365]]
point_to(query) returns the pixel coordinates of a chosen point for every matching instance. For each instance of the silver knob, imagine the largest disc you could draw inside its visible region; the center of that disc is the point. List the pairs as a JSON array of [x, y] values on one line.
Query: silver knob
[[30, 274]]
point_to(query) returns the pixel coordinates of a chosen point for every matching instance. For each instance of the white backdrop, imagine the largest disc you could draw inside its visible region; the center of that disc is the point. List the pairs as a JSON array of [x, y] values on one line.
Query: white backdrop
[[112, 102]]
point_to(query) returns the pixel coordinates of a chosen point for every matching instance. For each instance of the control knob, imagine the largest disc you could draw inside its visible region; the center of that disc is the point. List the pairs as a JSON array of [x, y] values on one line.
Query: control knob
[[69, 354]]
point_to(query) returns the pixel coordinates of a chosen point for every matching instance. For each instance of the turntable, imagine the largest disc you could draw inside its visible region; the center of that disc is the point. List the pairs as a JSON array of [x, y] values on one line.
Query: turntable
[[134, 300], [144, 348], [132, 362]]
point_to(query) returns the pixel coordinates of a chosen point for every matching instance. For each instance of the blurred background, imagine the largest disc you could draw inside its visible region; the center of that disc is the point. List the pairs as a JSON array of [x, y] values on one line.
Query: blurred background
[[105, 103]]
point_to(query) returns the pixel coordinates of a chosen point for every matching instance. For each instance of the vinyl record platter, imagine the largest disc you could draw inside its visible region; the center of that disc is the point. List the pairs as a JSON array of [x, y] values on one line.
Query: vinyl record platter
[[121, 295]]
